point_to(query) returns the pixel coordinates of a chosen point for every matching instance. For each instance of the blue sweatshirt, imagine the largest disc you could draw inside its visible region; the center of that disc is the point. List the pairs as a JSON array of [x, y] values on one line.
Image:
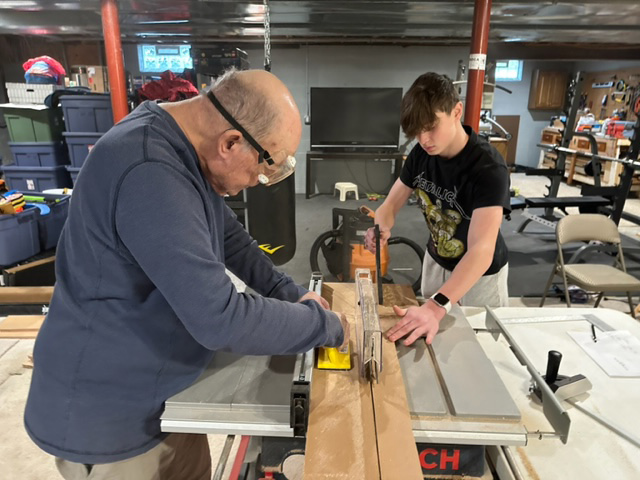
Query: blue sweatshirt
[[142, 299]]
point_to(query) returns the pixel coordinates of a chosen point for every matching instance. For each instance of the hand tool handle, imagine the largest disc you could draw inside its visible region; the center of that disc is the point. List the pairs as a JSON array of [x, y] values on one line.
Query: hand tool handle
[[553, 365], [378, 272]]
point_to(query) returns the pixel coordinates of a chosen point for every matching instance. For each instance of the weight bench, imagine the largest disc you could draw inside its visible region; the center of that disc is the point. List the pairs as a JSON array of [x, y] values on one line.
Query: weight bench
[[586, 204]]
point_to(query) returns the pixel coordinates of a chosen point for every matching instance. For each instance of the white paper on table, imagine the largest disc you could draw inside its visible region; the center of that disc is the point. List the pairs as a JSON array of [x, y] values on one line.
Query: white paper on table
[[617, 352]]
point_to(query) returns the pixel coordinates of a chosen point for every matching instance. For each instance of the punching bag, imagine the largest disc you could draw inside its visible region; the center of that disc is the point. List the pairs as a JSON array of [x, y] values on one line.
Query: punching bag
[[272, 219]]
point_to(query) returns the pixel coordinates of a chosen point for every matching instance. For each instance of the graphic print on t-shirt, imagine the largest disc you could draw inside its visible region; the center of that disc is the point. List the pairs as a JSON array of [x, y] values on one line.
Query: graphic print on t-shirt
[[451, 189], [442, 224]]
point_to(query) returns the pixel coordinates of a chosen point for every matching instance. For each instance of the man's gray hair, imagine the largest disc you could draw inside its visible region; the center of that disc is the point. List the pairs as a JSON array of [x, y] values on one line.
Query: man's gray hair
[[249, 107]]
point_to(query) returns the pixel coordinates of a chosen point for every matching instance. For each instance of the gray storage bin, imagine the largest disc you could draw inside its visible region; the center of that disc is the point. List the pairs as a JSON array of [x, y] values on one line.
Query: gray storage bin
[[87, 113], [19, 236], [74, 172], [79, 145], [36, 179], [39, 154], [50, 225]]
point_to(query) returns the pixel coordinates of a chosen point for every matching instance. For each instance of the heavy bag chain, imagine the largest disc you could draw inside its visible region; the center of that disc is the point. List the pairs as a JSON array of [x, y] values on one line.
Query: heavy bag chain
[[267, 37]]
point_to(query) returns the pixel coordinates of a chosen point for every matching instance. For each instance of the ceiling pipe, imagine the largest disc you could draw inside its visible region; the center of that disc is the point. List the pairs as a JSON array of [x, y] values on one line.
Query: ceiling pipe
[[115, 61], [477, 62]]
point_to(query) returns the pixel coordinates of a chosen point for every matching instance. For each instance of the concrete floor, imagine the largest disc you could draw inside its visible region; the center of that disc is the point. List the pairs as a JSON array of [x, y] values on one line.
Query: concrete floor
[[20, 459]]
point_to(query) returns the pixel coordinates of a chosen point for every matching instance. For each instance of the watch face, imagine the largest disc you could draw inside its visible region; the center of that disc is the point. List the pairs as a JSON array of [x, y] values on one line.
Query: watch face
[[441, 299]]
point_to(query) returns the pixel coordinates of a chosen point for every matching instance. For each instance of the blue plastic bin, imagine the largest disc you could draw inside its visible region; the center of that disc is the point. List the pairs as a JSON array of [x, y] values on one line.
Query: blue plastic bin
[[74, 172], [39, 154], [87, 113], [19, 236], [50, 225], [36, 179], [79, 145]]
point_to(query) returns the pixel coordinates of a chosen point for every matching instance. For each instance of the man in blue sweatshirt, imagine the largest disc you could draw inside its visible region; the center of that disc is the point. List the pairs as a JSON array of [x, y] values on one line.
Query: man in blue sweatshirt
[[142, 300]]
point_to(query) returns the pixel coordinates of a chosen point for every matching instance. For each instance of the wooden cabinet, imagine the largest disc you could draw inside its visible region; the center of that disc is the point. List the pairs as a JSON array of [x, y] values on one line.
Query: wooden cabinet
[[609, 147], [501, 145], [548, 90], [549, 136]]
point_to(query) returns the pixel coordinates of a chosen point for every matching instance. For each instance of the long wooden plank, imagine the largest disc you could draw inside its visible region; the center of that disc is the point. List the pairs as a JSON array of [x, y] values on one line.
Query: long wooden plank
[[396, 445], [357, 431], [21, 326], [25, 295], [341, 441], [22, 322]]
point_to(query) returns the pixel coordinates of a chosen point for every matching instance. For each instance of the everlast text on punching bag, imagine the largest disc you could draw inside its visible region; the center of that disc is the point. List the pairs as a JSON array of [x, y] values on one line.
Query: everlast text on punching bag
[[272, 219]]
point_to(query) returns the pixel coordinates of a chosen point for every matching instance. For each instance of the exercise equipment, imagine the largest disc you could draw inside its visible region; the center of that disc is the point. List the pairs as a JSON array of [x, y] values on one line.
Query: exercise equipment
[[594, 198]]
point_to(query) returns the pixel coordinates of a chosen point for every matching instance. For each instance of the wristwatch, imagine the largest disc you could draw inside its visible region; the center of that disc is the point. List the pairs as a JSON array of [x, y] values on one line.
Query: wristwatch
[[441, 300]]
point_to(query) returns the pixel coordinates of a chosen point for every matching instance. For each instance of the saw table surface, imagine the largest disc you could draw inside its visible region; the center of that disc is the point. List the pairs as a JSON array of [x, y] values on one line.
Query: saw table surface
[[454, 393], [592, 450]]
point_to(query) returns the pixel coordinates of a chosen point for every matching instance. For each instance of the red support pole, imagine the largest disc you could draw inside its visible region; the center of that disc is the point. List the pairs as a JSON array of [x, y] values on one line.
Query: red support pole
[[477, 62], [115, 63]]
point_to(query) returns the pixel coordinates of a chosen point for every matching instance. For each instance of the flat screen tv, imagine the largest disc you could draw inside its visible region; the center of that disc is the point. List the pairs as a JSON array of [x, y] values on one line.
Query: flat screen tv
[[355, 118]]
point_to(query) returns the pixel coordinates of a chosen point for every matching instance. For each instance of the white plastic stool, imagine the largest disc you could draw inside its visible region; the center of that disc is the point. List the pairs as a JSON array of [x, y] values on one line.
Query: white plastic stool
[[344, 188]]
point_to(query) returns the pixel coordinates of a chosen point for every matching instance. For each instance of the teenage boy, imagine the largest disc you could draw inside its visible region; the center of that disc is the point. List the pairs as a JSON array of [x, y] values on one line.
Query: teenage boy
[[462, 184]]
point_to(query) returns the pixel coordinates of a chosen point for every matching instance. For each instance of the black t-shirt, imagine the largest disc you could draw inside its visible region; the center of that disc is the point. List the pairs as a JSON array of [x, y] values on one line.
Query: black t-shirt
[[450, 189]]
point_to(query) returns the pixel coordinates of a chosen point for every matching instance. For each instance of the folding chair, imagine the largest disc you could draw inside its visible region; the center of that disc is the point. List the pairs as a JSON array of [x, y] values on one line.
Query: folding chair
[[592, 277]]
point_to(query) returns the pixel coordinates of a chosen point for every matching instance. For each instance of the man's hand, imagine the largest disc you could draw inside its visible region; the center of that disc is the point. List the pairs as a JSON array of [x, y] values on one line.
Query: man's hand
[[346, 328], [314, 296], [417, 322], [370, 238]]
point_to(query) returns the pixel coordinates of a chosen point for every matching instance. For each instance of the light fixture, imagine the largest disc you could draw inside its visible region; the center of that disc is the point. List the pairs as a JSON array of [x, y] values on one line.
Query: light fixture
[[157, 34], [17, 4], [162, 22], [253, 31]]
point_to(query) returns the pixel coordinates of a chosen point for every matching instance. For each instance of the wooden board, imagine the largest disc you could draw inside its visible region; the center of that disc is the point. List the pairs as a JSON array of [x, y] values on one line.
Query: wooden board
[[357, 431], [25, 295], [21, 326], [396, 445]]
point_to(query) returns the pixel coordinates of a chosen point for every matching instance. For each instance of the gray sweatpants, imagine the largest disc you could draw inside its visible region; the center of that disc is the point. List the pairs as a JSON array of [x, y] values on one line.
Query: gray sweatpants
[[490, 290], [180, 456]]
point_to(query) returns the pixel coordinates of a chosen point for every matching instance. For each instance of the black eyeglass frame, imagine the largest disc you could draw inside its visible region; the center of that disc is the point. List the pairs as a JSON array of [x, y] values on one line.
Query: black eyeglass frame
[[263, 155]]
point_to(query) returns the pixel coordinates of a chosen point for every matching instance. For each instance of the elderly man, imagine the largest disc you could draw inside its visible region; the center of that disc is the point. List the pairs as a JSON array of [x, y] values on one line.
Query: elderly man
[[142, 300]]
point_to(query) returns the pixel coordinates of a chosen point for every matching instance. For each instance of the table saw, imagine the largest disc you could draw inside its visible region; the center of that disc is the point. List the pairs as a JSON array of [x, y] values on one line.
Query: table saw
[[466, 391]]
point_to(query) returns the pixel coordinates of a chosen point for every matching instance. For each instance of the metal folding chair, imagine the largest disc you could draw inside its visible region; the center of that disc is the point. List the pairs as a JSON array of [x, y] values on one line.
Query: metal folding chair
[[592, 277]]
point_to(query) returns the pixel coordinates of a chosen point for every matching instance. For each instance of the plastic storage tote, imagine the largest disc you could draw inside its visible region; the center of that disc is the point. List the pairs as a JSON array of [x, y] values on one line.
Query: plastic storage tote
[[87, 113], [74, 172], [19, 236], [50, 224], [36, 179], [33, 123], [79, 145], [30, 92], [39, 154]]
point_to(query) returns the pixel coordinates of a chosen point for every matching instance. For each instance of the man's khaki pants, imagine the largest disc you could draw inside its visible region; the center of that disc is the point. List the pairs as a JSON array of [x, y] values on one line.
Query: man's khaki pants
[[180, 456]]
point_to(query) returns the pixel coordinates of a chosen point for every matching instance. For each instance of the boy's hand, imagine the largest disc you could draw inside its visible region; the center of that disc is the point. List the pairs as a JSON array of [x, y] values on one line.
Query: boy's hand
[[370, 238], [416, 322]]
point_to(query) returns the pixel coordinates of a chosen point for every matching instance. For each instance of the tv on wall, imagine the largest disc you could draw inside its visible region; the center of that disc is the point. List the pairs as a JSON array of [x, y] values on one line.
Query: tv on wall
[[355, 118]]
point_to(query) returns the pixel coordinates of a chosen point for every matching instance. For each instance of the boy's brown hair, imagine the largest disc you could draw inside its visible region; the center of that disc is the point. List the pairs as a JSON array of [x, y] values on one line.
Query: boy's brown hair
[[430, 93]]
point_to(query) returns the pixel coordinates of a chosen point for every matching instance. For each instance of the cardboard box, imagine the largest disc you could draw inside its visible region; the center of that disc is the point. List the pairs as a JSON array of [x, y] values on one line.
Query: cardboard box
[[98, 78]]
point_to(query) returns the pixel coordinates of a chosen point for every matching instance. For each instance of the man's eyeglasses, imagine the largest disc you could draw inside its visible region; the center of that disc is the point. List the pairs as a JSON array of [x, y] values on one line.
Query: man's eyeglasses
[[275, 168]]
